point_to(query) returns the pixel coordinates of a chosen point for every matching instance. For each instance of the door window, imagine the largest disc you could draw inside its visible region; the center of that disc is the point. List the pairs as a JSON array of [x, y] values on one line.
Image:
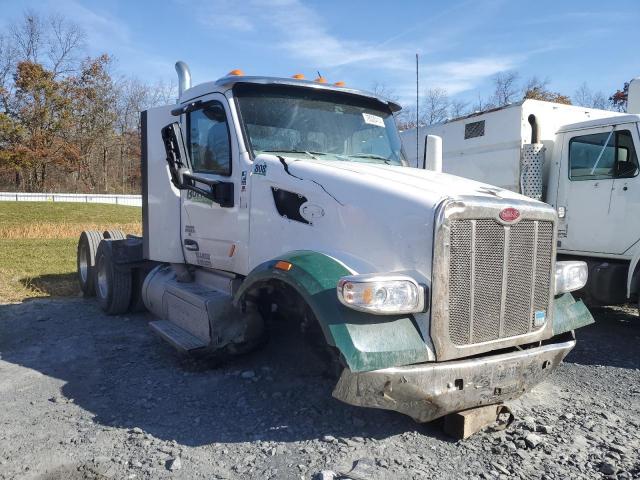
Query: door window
[[602, 155], [209, 142]]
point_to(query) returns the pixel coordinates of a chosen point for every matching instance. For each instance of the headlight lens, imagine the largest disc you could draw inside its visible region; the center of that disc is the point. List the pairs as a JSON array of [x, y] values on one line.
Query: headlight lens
[[381, 295], [570, 275]]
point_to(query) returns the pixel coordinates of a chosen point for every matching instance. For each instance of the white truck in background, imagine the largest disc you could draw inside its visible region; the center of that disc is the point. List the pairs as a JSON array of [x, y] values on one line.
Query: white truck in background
[[581, 161]]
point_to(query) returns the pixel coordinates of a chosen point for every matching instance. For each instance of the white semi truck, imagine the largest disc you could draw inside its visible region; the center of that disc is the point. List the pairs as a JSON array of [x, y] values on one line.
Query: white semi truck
[[581, 161], [435, 293]]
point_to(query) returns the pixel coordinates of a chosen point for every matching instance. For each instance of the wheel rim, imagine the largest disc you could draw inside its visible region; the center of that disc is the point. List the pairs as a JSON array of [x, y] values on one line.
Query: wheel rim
[[84, 263], [103, 285]]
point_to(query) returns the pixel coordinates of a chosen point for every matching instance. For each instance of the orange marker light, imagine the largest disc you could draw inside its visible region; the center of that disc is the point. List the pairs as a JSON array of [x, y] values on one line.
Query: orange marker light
[[282, 265], [232, 250], [298, 76], [236, 72], [321, 80], [339, 84]]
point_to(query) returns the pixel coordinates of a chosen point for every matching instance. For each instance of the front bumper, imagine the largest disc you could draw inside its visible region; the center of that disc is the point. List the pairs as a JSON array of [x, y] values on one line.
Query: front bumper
[[431, 390]]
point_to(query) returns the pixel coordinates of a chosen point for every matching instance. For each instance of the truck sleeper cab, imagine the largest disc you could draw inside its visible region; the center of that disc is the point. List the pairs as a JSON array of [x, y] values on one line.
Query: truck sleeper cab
[[437, 293]]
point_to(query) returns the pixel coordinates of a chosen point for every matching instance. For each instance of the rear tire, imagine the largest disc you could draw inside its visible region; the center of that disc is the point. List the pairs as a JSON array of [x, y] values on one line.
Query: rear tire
[[114, 235], [86, 261], [112, 285]]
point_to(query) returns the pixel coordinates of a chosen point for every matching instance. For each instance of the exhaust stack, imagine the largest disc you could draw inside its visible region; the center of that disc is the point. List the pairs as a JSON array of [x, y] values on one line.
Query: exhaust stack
[[184, 77], [633, 97]]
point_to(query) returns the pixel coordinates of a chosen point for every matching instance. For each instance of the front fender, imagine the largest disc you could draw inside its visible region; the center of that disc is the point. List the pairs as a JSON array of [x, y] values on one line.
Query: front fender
[[366, 342], [569, 314]]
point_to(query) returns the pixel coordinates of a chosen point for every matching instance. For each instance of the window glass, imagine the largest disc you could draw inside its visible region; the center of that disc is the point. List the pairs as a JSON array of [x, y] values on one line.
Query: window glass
[[209, 147], [602, 155], [322, 125]]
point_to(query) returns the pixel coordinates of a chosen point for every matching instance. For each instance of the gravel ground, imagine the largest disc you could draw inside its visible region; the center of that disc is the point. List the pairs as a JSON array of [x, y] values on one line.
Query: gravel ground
[[83, 395]]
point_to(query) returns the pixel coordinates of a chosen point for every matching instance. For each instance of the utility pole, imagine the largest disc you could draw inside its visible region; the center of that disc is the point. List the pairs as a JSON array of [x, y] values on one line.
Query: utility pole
[[417, 115]]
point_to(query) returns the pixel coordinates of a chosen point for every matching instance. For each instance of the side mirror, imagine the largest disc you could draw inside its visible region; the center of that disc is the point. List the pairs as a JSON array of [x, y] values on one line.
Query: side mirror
[[218, 192], [221, 193], [433, 153]]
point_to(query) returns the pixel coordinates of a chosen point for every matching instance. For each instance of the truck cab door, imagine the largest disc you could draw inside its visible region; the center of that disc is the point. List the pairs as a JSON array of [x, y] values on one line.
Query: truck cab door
[[213, 235], [597, 165]]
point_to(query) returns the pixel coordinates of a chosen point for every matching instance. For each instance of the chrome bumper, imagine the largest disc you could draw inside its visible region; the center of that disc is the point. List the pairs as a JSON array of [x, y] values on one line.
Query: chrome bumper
[[431, 390]]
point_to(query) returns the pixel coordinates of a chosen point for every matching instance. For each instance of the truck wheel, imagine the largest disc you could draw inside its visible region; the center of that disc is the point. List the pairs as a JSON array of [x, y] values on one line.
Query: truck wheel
[[113, 286], [86, 261], [114, 235]]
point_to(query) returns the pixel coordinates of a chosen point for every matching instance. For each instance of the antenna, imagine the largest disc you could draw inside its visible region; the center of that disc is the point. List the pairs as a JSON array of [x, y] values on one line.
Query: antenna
[[417, 109]]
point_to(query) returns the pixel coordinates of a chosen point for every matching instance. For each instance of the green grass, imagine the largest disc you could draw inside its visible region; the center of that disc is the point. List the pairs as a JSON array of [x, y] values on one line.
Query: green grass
[[17, 213], [38, 244]]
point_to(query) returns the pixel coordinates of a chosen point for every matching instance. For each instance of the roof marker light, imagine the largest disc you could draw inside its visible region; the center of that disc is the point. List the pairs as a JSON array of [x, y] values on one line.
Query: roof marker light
[[321, 80], [339, 84], [236, 72], [298, 76]]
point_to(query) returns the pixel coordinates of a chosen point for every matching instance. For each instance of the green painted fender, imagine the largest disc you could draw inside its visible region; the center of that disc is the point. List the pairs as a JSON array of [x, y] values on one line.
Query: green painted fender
[[569, 315], [367, 342]]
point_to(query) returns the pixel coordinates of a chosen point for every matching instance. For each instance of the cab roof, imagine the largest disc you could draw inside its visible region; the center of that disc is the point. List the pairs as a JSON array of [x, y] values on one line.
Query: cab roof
[[614, 119], [225, 83]]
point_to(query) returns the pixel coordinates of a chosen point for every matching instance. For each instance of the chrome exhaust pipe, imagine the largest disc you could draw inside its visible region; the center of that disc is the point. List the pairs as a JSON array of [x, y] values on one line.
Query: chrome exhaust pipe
[[184, 77]]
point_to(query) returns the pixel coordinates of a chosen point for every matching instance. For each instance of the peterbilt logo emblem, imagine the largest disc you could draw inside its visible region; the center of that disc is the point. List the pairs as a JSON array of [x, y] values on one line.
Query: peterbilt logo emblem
[[509, 214]]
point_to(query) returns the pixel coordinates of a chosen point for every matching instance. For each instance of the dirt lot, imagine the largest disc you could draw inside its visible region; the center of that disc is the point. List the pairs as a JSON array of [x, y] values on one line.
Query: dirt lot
[[83, 395]]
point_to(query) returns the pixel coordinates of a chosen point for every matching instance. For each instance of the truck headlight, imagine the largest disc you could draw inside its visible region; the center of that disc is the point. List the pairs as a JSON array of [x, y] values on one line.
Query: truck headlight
[[381, 294], [570, 275]]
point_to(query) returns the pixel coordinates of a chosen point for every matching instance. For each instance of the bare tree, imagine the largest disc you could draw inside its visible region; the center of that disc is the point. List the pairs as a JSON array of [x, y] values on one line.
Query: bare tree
[[28, 36], [162, 93], [383, 90], [535, 83], [585, 97], [458, 108], [481, 105], [406, 118], [8, 62], [505, 88], [66, 40], [435, 106]]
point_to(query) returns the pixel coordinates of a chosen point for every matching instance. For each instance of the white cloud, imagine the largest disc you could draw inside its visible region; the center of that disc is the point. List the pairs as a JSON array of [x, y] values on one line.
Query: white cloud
[[459, 76], [301, 32]]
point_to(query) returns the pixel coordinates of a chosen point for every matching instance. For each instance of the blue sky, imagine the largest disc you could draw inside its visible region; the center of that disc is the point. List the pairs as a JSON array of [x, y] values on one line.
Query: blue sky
[[462, 44]]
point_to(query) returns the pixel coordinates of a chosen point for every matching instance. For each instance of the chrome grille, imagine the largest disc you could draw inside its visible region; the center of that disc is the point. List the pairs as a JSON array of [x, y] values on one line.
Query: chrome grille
[[499, 276]]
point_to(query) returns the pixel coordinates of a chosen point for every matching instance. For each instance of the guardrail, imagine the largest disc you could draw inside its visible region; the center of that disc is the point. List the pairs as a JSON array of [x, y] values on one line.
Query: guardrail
[[116, 199]]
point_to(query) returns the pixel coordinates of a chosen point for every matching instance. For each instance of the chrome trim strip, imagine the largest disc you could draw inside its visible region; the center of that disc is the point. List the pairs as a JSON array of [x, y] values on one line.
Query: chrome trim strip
[[473, 277], [505, 277]]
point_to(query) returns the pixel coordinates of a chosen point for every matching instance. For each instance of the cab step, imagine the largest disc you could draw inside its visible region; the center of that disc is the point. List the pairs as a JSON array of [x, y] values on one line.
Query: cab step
[[176, 336]]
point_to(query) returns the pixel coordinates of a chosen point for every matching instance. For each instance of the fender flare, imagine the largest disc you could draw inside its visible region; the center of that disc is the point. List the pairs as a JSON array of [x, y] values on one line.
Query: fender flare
[[366, 341], [632, 270]]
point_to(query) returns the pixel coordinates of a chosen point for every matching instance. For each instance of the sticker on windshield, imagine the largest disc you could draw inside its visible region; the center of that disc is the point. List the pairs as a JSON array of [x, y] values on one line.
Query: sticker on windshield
[[373, 120]]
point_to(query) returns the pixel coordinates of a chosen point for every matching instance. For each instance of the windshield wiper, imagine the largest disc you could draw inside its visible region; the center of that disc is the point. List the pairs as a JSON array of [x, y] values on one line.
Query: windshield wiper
[[371, 155], [307, 152]]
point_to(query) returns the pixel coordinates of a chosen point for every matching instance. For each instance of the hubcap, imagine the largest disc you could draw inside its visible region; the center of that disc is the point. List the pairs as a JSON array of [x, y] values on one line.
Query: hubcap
[[103, 285], [84, 263]]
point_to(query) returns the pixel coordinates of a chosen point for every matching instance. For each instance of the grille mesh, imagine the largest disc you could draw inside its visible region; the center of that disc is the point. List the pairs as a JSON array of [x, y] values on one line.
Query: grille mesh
[[487, 289], [477, 311]]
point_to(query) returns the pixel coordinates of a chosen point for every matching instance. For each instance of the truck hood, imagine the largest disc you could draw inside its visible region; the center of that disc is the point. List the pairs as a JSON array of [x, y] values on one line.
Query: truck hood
[[421, 182]]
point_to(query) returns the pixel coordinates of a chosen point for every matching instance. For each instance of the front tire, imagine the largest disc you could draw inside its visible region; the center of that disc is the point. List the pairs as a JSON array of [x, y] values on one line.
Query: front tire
[[112, 285]]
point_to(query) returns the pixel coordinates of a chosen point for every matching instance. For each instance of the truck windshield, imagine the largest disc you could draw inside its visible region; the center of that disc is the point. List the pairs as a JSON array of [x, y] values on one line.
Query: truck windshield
[[319, 124]]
